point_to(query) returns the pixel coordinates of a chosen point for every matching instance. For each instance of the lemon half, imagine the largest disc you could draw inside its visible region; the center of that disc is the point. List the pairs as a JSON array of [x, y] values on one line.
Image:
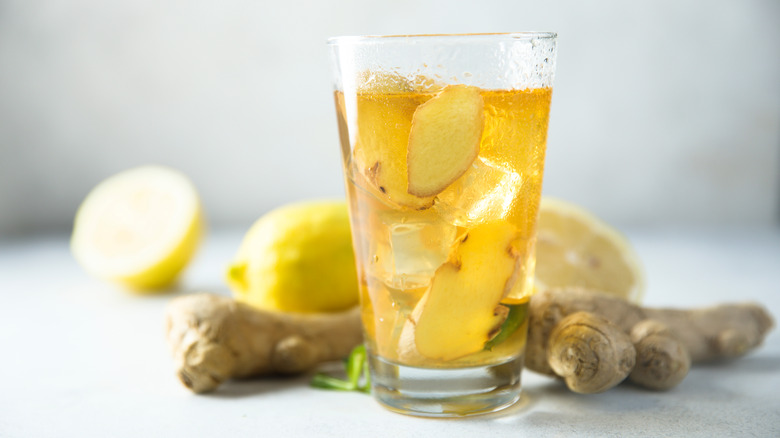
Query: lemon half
[[139, 227], [575, 248]]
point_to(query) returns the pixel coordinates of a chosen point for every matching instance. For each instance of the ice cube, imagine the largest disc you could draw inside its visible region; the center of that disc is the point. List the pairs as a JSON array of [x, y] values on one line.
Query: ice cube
[[418, 244], [484, 193], [413, 255]]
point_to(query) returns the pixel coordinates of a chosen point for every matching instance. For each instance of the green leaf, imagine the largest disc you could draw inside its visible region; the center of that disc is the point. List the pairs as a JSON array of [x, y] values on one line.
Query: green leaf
[[324, 381], [513, 321], [356, 365]]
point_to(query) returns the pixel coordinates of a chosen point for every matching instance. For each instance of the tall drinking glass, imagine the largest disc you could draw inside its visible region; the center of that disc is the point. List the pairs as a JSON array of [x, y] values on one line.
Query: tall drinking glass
[[443, 143]]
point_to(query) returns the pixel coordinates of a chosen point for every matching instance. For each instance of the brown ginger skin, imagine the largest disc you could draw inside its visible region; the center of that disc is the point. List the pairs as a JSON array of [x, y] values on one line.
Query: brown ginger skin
[[725, 331], [662, 362], [592, 340], [580, 345], [215, 338]]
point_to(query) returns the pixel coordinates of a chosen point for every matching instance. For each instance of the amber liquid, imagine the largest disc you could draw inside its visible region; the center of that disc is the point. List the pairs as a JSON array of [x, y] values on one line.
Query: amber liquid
[[401, 241]]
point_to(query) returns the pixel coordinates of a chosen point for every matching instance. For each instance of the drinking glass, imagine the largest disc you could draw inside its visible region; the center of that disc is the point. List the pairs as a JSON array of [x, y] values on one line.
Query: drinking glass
[[443, 142]]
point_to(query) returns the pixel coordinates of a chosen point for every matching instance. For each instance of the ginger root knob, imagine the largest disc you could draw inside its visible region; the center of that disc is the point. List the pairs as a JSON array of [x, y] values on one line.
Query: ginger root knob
[[590, 353], [662, 362]]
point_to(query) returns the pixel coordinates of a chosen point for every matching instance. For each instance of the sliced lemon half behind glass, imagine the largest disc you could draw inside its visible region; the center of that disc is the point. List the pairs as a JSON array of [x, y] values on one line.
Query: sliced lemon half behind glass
[[139, 227], [575, 248]]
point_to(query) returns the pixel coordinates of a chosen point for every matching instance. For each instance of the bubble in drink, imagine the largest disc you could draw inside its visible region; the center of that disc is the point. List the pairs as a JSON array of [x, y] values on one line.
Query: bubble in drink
[[393, 82]]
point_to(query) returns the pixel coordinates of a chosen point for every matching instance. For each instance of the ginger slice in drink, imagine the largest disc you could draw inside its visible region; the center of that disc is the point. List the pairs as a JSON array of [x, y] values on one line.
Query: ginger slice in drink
[[444, 139], [461, 311], [383, 125]]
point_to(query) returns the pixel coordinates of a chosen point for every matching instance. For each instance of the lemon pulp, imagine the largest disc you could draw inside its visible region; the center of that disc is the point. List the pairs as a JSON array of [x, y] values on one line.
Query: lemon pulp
[[139, 227], [575, 248]]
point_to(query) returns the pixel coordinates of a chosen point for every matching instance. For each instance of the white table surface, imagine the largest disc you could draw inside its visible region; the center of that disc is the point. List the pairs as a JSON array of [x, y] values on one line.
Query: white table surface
[[83, 358]]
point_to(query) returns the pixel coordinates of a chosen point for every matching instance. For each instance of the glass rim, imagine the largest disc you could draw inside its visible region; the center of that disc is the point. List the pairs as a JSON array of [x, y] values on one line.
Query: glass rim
[[497, 36]]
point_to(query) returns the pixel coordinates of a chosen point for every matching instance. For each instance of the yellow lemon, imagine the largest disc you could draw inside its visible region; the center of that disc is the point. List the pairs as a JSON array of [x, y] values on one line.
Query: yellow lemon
[[575, 248], [297, 258], [139, 227]]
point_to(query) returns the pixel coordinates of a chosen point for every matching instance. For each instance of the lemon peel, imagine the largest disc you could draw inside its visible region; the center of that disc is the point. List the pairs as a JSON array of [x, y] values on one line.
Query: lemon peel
[[297, 258]]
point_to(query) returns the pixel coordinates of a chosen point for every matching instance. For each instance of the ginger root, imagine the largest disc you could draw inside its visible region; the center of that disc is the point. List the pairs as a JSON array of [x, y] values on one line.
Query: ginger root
[[581, 336], [591, 340], [662, 361], [582, 341], [215, 338]]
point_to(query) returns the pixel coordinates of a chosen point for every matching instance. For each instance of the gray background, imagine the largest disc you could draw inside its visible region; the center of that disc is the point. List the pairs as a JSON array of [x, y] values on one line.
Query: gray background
[[665, 113]]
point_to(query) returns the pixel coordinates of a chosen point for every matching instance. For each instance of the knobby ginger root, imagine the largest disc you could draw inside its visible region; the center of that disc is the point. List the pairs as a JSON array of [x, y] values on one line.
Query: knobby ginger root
[[215, 338], [582, 341], [661, 359], [665, 341], [593, 341]]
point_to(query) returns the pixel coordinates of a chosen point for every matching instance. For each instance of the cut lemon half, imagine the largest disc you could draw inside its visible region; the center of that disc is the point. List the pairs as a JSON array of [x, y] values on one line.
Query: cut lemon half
[[575, 248], [139, 227]]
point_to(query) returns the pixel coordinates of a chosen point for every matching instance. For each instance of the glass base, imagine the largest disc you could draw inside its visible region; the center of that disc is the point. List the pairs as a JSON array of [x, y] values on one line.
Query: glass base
[[436, 392]]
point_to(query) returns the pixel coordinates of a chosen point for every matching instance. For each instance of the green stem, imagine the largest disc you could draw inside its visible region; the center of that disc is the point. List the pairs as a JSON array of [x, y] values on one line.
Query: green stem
[[356, 366]]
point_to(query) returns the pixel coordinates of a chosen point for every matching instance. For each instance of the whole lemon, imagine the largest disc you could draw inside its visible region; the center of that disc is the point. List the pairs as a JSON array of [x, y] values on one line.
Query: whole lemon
[[297, 258]]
